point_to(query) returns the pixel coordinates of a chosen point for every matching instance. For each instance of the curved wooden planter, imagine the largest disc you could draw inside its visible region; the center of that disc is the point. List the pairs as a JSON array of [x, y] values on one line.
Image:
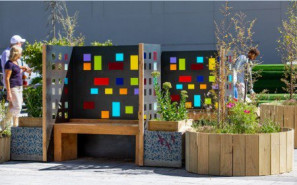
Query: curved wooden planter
[[239, 154], [285, 115], [4, 149]]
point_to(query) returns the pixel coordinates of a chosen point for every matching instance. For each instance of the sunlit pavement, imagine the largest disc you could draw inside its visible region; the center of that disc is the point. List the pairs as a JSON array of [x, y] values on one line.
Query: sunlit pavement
[[89, 171]]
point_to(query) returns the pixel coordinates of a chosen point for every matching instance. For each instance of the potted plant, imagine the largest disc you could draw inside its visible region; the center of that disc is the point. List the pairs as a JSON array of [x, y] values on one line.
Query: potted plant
[[33, 100], [4, 133], [241, 146], [285, 112], [173, 115]]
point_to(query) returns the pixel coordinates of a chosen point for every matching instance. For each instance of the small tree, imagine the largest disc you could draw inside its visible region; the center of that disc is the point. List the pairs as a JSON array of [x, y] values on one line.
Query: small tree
[[54, 9], [287, 47]]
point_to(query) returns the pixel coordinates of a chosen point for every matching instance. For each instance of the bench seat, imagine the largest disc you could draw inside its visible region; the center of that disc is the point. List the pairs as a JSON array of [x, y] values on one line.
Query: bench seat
[[65, 134]]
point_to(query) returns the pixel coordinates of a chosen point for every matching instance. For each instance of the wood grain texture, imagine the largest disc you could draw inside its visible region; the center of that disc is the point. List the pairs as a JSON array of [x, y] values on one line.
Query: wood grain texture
[[289, 116], [226, 155], [4, 149], [203, 153], [265, 154], [69, 146], [295, 128], [283, 152], [252, 155], [140, 146], [187, 148], [239, 155], [279, 115], [265, 112], [275, 153], [44, 126], [193, 153], [290, 150], [214, 154]]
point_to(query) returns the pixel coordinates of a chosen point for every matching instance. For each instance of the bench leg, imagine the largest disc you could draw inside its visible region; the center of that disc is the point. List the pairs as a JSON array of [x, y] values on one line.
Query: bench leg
[[65, 146], [139, 151]]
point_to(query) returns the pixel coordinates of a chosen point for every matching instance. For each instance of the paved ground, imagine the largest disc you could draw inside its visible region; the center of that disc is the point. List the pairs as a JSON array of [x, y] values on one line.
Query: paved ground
[[98, 171]]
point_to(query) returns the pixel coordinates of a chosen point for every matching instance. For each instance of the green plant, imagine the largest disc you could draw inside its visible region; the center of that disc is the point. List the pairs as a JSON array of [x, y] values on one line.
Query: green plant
[[269, 126], [32, 55], [5, 119], [169, 111], [106, 43], [287, 46], [33, 101]]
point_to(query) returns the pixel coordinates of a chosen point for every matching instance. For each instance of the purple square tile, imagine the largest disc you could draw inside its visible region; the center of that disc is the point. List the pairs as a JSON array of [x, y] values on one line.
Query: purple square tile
[[215, 86], [173, 60], [136, 91], [87, 57]]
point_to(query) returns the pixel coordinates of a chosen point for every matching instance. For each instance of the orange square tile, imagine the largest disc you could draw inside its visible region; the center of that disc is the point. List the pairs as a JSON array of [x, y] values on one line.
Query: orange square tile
[[123, 91], [188, 105], [105, 114], [202, 86], [173, 67], [87, 66]]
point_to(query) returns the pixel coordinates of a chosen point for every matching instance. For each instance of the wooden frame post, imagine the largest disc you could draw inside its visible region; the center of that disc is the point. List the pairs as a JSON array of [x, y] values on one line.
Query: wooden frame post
[[44, 136], [139, 138]]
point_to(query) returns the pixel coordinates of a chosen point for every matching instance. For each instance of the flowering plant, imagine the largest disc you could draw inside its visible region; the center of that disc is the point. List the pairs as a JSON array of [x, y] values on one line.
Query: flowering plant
[[169, 111]]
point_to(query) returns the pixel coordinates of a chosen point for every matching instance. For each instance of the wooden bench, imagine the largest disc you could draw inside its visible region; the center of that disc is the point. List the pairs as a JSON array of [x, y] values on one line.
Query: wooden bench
[[65, 135]]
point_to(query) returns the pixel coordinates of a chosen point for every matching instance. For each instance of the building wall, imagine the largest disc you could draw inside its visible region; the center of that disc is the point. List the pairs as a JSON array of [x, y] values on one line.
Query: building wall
[[175, 25]]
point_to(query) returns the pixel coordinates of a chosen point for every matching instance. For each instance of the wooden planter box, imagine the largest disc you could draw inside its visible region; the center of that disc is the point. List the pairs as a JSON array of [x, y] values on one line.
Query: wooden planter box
[[171, 126], [4, 149], [285, 115], [239, 154], [30, 122]]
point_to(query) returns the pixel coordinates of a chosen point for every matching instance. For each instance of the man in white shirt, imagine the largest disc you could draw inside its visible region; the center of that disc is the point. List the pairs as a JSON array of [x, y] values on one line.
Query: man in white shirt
[[15, 40], [243, 75]]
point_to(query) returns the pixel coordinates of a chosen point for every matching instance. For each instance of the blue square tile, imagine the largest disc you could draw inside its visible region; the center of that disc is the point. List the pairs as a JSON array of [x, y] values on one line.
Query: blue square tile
[[119, 81]]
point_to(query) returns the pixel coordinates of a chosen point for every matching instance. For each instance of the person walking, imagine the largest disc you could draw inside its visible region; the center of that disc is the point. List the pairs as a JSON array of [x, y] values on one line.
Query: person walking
[[243, 75], [14, 83], [15, 40]]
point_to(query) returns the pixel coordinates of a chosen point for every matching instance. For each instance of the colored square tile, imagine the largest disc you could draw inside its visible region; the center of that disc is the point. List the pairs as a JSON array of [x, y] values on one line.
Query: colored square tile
[[199, 59], [179, 86], [203, 86], [134, 62], [119, 57], [133, 81], [188, 105], [105, 114], [191, 86], [200, 78], [119, 81], [94, 91], [207, 101], [136, 91], [155, 66], [108, 91], [98, 62], [87, 57], [129, 109], [144, 55], [197, 101], [87, 66], [173, 67], [173, 60], [212, 79], [116, 109], [211, 63], [66, 81], [123, 91], [182, 64]]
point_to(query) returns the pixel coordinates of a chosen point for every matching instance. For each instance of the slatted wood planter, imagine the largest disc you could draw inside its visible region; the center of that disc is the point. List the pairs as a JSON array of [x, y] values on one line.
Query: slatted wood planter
[[30, 122], [285, 115], [170, 126], [239, 154], [4, 149]]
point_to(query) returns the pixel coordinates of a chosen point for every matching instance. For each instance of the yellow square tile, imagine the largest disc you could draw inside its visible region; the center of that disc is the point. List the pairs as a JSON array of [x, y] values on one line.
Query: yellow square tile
[[191, 86], [108, 91], [188, 105]]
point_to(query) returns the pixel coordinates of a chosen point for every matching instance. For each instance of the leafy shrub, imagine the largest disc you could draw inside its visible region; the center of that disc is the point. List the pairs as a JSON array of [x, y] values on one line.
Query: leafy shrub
[[106, 43], [5, 121], [269, 126], [169, 111], [33, 101]]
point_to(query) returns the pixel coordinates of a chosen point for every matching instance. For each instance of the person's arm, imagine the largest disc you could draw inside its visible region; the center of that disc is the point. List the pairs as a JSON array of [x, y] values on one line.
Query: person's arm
[[251, 85], [7, 77]]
